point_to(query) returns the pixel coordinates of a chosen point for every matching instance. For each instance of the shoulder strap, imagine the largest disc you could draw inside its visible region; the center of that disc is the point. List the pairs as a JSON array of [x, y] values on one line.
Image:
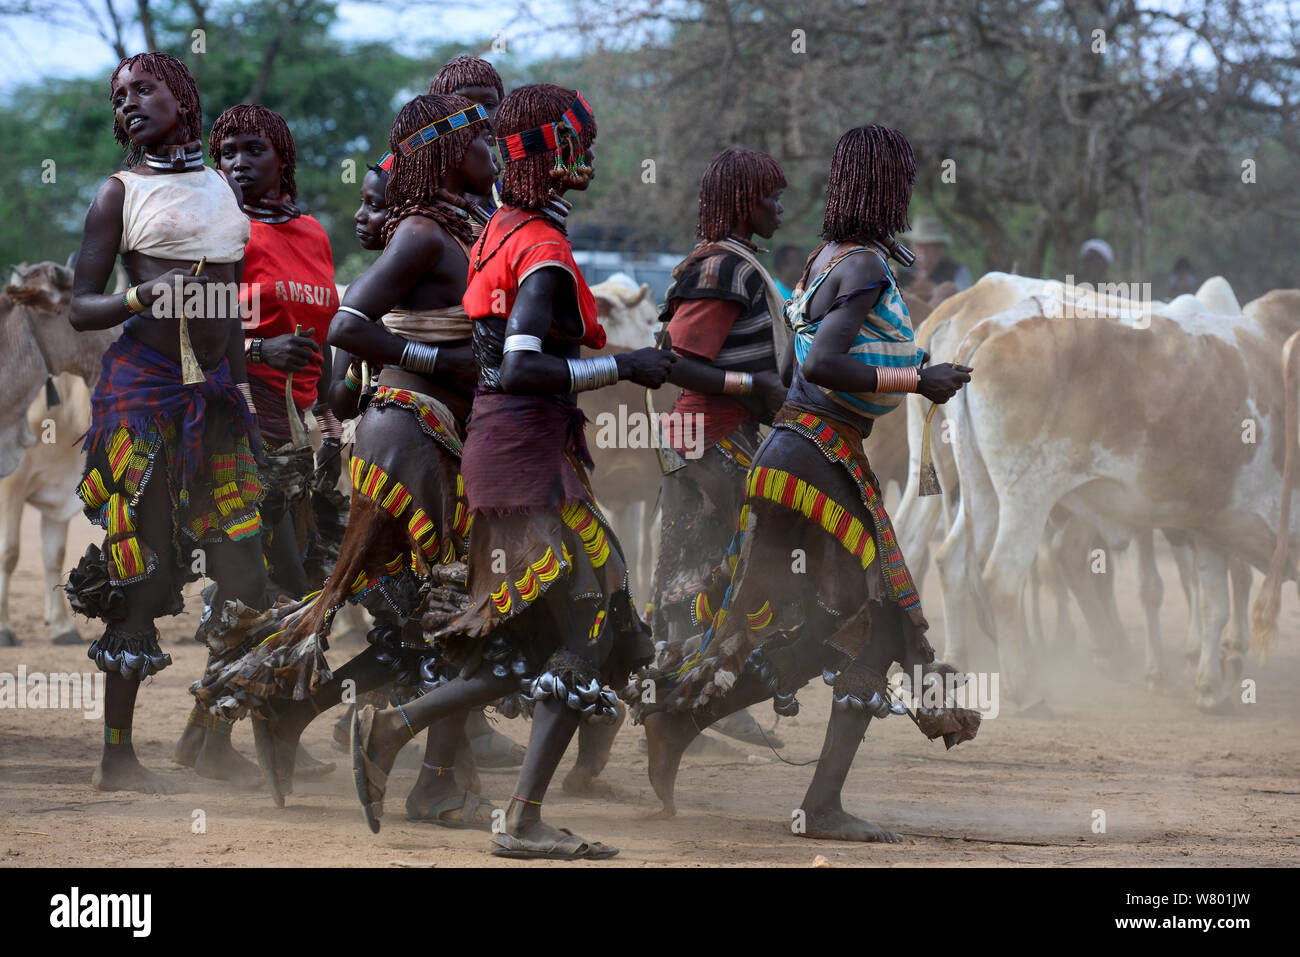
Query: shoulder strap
[[775, 301]]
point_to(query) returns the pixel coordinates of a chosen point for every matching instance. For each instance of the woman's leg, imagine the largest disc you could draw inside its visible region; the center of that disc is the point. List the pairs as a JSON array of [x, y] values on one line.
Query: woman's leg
[[118, 768], [240, 574]]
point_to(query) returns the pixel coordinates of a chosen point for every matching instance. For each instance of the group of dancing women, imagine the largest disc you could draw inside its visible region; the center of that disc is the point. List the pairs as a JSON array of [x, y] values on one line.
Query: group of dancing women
[[473, 535]]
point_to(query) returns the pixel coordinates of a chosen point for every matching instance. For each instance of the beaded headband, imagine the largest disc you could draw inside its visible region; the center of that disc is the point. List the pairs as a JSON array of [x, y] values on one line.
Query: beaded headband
[[385, 164], [544, 138], [439, 128]]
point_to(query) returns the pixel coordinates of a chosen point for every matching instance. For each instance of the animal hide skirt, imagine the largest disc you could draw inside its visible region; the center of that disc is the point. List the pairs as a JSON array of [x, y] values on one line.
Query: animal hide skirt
[[408, 520], [813, 541], [700, 505], [549, 604]]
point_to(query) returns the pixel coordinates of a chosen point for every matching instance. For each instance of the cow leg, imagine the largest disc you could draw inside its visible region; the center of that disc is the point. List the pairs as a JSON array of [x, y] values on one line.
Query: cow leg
[[1004, 576], [1036, 634], [1053, 572], [1151, 591], [1185, 559], [951, 562], [10, 520], [58, 616], [1237, 639], [1212, 572]]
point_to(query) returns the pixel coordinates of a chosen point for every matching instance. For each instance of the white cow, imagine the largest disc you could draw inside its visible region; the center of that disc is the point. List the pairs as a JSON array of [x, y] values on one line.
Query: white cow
[[47, 480], [626, 480], [1175, 426]]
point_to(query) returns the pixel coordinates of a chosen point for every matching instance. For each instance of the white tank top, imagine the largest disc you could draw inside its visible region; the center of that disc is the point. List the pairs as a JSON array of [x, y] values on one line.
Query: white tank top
[[182, 216]]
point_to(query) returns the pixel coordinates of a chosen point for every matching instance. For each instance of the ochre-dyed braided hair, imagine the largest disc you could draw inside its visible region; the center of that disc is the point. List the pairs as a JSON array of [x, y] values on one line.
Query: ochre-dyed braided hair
[[414, 181], [168, 70], [464, 72], [870, 185], [526, 182], [731, 185], [246, 119]]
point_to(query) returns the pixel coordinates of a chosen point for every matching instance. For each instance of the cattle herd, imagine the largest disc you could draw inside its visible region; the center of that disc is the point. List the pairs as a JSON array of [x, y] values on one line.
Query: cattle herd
[[1091, 423]]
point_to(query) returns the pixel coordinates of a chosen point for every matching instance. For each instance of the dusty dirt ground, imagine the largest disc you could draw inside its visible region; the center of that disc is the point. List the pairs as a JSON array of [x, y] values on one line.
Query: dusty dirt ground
[[1178, 787]]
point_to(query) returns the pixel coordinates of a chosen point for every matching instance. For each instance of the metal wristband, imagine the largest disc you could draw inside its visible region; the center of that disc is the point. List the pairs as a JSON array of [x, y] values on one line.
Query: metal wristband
[[351, 380], [737, 383], [254, 351], [131, 299], [588, 374], [419, 357], [522, 343]]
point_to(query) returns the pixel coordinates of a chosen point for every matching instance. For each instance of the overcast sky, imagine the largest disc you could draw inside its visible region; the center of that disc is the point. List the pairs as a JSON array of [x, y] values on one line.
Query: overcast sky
[[30, 48]]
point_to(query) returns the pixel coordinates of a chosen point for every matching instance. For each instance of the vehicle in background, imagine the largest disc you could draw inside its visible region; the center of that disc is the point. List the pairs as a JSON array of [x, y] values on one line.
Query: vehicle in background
[[654, 269]]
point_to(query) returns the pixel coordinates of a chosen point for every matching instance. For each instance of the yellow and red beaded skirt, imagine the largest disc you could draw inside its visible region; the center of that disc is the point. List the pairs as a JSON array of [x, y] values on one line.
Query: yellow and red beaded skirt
[[813, 528], [220, 502]]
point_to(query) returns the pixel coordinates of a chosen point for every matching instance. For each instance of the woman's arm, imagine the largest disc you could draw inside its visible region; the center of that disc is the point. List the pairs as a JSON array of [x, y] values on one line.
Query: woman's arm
[[828, 363], [342, 398], [537, 373], [239, 374], [415, 247], [91, 307]]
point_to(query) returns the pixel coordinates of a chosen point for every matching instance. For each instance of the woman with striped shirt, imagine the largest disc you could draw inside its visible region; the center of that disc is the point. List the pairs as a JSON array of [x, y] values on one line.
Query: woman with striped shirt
[[814, 546]]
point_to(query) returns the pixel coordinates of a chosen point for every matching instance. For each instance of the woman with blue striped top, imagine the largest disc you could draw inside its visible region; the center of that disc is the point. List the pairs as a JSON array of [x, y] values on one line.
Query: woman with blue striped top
[[815, 563]]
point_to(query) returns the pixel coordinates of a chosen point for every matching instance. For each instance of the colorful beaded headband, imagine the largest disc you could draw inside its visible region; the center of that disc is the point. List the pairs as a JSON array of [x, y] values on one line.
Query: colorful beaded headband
[[544, 138], [439, 128], [385, 164]]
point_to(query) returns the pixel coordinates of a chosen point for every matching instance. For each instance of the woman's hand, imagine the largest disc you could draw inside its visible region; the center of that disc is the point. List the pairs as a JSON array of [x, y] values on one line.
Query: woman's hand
[[257, 446], [289, 353], [940, 383], [154, 289], [648, 367]]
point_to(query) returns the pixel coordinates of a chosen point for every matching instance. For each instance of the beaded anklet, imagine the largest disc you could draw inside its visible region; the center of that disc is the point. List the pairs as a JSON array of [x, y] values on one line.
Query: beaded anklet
[[516, 797], [117, 735], [437, 769], [407, 720]]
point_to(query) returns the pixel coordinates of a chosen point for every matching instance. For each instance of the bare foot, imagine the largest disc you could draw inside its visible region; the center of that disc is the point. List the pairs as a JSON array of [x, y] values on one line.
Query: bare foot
[[8, 639], [582, 783], [126, 773], [219, 761], [667, 735], [188, 746], [839, 825]]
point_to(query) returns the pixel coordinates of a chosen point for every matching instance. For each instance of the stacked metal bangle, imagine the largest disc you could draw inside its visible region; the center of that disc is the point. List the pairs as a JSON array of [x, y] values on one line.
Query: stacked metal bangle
[[246, 391], [897, 379], [737, 383], [352, 379], [255, 350], [419, 357], [588, 374], [131, 299]]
